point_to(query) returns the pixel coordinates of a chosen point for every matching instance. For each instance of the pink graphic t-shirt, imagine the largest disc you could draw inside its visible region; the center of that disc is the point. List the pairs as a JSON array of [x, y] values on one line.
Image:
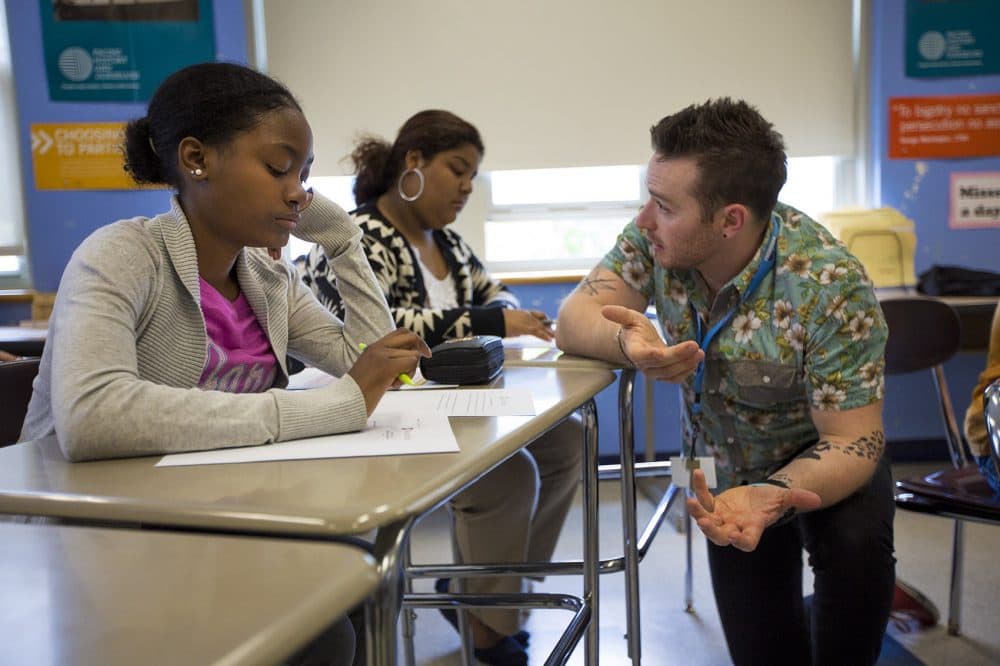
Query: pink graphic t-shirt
[[240, 358]]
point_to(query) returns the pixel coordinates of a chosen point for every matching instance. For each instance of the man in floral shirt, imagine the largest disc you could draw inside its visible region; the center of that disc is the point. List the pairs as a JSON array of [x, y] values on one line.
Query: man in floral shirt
[[775, 336]]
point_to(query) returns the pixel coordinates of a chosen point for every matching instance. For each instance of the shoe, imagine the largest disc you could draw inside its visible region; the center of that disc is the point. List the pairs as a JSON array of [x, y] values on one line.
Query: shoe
[[507, 652], [451, 615], [910, 605]]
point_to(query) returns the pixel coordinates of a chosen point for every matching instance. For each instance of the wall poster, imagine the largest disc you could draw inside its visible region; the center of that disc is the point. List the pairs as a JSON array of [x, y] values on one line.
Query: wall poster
[[115, 51], [944, 126], [952, 38], [975, 200], [79, 156]]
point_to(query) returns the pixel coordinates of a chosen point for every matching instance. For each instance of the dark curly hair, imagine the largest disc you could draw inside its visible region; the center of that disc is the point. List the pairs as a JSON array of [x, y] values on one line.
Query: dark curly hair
[[213, 102], [378, 163]]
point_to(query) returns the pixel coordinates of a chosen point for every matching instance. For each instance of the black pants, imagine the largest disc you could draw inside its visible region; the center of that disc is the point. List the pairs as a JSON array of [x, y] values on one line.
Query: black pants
[[759, 594]]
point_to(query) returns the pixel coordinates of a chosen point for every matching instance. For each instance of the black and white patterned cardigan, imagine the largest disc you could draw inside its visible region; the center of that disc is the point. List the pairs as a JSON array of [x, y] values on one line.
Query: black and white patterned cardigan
[[481, 298]]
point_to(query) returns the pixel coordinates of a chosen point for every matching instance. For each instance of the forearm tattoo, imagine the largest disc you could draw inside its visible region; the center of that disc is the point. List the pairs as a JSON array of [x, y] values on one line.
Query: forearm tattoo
[[591, 285], [867, 446]]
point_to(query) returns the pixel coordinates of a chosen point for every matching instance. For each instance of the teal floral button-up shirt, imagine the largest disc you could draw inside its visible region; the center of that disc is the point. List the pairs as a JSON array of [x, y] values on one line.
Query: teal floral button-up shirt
[[811, 336]]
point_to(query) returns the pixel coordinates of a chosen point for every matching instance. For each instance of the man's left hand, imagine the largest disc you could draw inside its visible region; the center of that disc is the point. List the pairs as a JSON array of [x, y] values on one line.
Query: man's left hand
[[738, 516]]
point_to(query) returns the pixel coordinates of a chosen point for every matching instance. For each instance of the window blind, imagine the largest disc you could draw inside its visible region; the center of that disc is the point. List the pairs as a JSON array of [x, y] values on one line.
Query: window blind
[[554, 83]]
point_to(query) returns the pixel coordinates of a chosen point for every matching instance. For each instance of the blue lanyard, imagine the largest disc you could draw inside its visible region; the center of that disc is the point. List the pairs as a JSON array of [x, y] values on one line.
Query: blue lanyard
[[766, 266]]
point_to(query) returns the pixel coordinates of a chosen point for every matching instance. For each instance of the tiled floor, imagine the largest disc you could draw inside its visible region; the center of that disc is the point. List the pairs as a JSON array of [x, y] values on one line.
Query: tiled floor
[[672, 636]]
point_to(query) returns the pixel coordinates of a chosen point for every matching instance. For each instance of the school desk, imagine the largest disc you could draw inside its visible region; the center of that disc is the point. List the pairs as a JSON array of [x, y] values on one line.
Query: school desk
[[321, 499], [84, 595]]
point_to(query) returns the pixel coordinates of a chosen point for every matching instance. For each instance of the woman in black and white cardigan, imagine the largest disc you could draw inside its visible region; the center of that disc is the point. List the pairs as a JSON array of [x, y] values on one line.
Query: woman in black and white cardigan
[[408, 193]]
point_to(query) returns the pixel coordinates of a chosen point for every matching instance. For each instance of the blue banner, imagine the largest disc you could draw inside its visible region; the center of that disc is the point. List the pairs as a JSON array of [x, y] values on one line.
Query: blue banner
[[952, 37], [105, 52]]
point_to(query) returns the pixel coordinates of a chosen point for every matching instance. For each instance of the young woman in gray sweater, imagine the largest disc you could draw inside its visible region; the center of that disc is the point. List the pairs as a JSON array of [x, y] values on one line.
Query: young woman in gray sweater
[[170, 333]]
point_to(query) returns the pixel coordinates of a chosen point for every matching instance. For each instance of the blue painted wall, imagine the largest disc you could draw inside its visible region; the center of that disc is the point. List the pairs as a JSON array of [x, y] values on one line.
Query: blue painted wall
[[923, 197], [910, 411], [59, 221]]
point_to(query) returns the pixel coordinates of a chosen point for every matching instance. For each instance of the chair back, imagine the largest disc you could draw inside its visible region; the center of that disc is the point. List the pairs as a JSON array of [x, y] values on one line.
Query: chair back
[[15, 392], [923, 334], [991, 410]]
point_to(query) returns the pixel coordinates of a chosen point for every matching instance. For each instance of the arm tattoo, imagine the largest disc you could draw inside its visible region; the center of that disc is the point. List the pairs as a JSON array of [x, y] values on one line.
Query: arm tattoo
[[593, 285], [867, 446]]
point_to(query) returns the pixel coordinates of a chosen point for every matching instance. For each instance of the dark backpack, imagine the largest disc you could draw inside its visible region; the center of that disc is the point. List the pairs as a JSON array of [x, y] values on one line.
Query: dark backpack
[[957, 281]]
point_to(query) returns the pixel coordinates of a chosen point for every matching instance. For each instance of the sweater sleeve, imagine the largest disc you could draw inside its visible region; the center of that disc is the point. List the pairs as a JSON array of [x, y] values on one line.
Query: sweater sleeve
[[102, 403], [329, 338], [481, 299]]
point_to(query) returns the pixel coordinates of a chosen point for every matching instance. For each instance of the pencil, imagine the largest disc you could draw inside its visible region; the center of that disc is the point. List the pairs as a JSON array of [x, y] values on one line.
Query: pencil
[[405, 378]]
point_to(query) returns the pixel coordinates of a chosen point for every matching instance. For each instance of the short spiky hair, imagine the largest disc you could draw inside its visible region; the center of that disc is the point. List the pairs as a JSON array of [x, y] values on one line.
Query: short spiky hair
[[740, 156]]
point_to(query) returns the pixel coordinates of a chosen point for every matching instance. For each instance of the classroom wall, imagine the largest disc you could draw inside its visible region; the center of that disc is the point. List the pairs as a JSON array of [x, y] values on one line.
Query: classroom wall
[[920, 190], [58, 221]]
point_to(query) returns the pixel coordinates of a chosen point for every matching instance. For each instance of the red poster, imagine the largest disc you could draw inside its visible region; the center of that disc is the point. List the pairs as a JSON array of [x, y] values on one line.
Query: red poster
[[944, 127]]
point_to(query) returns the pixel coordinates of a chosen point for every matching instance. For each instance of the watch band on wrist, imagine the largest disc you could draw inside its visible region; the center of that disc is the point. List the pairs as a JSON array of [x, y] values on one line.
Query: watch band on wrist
[[771, 482]]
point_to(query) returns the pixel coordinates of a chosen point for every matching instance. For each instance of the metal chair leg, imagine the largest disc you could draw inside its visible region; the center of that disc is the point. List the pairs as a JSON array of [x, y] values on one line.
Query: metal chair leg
[[626, 386], [381, 615], [409, 615], [466, 649], [688, 564], [957, 566], [591, 550]]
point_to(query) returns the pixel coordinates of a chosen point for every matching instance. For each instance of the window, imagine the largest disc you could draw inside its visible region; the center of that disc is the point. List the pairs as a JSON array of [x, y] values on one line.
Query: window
[[574, 215], [13, 266]]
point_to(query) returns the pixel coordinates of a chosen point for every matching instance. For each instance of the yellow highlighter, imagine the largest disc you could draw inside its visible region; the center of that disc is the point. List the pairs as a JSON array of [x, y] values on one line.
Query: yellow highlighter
[[405, 378]]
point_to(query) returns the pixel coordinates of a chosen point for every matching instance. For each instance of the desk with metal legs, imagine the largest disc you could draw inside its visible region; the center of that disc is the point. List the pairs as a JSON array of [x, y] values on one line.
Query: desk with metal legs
[[523, 352], [101, 596], [313, 499]]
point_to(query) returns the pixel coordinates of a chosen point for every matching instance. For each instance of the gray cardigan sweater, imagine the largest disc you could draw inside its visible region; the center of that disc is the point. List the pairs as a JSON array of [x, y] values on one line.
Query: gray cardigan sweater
[[127, 344]]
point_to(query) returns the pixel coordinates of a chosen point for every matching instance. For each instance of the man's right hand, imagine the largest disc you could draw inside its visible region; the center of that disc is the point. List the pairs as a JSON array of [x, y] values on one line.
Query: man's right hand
[[382, 362], [644, 347]]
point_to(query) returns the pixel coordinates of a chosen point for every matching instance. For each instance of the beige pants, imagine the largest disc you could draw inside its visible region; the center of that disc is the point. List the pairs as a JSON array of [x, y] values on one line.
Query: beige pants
[[515, 514]]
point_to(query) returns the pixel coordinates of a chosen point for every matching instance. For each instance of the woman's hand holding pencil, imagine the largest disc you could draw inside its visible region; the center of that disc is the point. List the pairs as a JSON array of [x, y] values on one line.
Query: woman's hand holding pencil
[[383, 364]]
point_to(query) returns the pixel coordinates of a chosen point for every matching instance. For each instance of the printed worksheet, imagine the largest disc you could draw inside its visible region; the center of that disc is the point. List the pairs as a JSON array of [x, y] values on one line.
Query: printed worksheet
[[463, 402], [389, 432]]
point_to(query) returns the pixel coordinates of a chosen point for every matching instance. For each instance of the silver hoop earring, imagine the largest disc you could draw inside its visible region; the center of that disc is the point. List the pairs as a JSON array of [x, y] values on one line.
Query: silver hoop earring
[[399, 185], [196, 172]]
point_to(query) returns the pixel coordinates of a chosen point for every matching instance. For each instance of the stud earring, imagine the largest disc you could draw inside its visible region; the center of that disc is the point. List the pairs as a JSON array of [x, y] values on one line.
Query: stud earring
[[196, 172]]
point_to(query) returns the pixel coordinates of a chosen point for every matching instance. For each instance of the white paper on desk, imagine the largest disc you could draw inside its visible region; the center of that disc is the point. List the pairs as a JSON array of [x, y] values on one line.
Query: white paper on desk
[[389, 432], [527, 341], [463, 402], [311, 378], [424, 385]]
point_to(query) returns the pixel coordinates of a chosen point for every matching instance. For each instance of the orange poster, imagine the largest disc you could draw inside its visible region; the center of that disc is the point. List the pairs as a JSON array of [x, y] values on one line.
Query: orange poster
[[79, 156], [944, 127]]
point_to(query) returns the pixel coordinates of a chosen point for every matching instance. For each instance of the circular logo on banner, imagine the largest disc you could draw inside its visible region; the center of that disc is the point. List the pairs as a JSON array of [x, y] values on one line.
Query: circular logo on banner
[[932, 45], [75, 64]]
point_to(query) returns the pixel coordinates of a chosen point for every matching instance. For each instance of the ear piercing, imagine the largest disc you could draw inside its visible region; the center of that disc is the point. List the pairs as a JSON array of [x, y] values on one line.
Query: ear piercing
[[196, 172]]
